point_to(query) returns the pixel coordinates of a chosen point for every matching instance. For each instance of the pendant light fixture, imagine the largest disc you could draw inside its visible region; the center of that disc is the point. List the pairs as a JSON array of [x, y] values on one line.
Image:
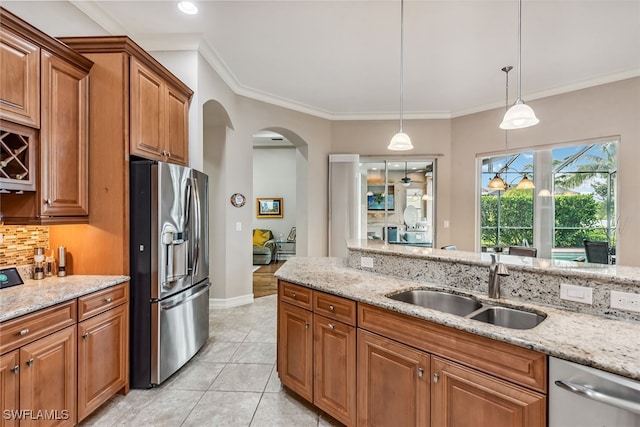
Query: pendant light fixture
[[520, 115], [497, 183], [401, 141]]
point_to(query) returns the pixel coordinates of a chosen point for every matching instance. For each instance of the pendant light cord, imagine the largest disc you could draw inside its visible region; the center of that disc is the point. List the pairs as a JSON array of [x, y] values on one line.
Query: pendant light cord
[[401, 62], [506, 107], [519, 50]]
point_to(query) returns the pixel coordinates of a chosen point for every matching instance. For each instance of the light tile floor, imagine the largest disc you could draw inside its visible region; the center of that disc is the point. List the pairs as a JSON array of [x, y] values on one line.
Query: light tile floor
[[231, 382]]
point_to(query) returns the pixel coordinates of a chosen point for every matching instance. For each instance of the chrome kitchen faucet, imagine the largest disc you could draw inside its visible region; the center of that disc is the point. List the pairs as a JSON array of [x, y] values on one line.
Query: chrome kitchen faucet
[[496, 269]]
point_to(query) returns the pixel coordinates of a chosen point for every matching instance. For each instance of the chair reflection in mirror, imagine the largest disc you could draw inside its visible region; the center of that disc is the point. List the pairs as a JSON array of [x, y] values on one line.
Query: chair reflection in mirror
[[523, 251], [596, 252]]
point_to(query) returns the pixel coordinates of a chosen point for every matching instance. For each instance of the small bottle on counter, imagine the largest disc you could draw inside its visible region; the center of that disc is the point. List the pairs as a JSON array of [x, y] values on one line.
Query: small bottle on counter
[[38, 258], [62, 261]]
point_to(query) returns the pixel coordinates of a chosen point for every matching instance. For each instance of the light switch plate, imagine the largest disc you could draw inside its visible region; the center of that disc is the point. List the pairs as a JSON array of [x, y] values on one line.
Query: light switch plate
[[581, 294], [625, 301], [366, 262]]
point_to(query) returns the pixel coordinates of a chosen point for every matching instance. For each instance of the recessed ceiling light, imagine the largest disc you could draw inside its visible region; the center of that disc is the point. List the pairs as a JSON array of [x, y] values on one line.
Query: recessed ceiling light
[[188, 7]]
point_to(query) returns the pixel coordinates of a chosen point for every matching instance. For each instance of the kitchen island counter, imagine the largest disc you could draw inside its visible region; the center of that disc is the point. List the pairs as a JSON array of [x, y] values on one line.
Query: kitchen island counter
[[34, 295], [596, 341]]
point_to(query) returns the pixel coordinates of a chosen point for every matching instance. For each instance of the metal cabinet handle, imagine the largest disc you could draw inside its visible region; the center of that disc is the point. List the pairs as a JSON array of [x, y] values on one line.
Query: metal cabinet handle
[[331, 308], [436, 377], [168, 153], [85, 336], [108, 299], [330, 325], [15, 369], [47, 202], [30, 362], [24, 332], [420, 372], [306, 325], [293, 295]]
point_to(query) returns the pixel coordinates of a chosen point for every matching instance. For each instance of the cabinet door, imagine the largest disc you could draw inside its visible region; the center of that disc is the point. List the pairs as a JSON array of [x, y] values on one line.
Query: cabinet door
[[467, 398], [19, 80], [177, 134], [334, 369], [48, 378], [64, 138], [147, 112], [9, 387], [393, 383], [102, 358], [295, 349]]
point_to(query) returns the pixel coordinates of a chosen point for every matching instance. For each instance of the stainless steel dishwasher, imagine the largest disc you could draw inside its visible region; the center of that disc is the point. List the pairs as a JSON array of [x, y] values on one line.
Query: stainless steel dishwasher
[[580, 396]]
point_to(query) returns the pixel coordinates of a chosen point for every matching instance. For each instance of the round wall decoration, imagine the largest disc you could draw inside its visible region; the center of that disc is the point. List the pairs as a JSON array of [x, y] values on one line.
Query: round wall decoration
[[238, 200]]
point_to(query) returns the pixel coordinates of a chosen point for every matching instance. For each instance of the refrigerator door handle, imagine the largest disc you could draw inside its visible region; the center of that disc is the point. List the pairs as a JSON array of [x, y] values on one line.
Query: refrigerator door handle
[[198, 224], [203, 289]]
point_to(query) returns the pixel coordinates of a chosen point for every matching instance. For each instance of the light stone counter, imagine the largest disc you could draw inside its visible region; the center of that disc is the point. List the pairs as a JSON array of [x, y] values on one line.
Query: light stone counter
[[34, 295], [619, 274], [596, 341]]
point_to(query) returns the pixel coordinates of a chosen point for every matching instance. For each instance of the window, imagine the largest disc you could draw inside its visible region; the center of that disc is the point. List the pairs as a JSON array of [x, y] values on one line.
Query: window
[[574, 199]]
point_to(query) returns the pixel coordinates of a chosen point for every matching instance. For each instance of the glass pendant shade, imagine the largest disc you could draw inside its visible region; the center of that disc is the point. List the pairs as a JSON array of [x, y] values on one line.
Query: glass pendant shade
[[497, 183], [525, 184], [544, 193], [519, 116], [400, 142]]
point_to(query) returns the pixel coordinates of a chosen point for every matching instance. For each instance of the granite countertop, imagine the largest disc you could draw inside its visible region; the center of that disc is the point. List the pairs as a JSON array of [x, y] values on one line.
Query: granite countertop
[[599, 342], [34, 295], [617, 273]]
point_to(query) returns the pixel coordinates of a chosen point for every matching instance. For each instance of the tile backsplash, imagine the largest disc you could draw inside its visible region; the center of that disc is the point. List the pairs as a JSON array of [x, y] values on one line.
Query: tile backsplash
[[19, 242]]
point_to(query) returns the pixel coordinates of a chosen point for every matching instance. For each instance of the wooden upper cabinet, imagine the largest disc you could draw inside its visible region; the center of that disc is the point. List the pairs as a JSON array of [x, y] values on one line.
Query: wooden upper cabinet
[[159, 117], [147, 112], [177, 132], [64, 138], [19, 79]]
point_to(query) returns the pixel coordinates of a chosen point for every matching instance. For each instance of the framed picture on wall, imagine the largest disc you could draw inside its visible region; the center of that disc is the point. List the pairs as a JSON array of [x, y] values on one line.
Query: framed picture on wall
[[270, 207]]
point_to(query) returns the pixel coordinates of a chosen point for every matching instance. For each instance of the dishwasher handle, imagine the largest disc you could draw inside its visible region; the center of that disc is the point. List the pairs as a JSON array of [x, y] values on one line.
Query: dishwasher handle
[[599, 396]]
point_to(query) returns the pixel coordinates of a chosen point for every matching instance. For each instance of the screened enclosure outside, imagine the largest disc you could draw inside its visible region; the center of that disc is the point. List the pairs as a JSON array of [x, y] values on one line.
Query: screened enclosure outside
[[578, 201]]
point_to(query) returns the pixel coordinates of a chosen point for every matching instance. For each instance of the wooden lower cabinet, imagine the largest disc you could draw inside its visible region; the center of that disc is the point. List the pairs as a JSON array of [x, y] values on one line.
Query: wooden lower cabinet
[[334, 368], [48, 380], [102, 358], [295, 349], [463, 397], [9, 387], [393, 383]]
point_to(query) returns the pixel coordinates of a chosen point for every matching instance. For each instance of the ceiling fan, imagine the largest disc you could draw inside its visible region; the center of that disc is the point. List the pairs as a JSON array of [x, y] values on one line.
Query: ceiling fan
[[406, 181]]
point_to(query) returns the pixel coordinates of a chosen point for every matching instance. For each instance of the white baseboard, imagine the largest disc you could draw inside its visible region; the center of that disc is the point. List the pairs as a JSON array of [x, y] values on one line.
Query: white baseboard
[[217, 303]]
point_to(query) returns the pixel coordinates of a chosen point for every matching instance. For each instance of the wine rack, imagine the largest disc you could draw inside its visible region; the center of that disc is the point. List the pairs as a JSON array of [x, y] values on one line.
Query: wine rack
[[17, 158]]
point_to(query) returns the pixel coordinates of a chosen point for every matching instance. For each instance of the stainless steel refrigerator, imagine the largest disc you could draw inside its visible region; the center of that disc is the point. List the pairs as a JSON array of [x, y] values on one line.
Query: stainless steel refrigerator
[[169, 269]]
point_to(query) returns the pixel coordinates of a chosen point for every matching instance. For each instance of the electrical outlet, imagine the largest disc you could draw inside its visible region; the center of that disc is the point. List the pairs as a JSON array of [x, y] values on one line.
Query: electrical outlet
[[366, 262], [581, 294], [625, 301]]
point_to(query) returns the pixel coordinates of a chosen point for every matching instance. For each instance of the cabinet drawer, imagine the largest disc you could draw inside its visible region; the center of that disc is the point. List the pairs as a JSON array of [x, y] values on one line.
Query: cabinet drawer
[[507, 361], [294, 294], [25, 329], [101, 301], [334, 307]]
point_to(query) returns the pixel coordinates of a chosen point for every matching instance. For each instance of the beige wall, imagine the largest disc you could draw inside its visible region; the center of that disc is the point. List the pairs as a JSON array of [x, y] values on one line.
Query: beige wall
[[602, 111], [431, 138]]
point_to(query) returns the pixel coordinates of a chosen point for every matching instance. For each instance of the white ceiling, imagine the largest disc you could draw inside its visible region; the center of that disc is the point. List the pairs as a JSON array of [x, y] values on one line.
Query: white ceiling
[[340, 59]]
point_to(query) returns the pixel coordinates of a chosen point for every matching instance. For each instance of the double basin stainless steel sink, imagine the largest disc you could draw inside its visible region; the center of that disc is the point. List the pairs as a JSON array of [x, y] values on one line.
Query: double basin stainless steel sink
[[468, 307]]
